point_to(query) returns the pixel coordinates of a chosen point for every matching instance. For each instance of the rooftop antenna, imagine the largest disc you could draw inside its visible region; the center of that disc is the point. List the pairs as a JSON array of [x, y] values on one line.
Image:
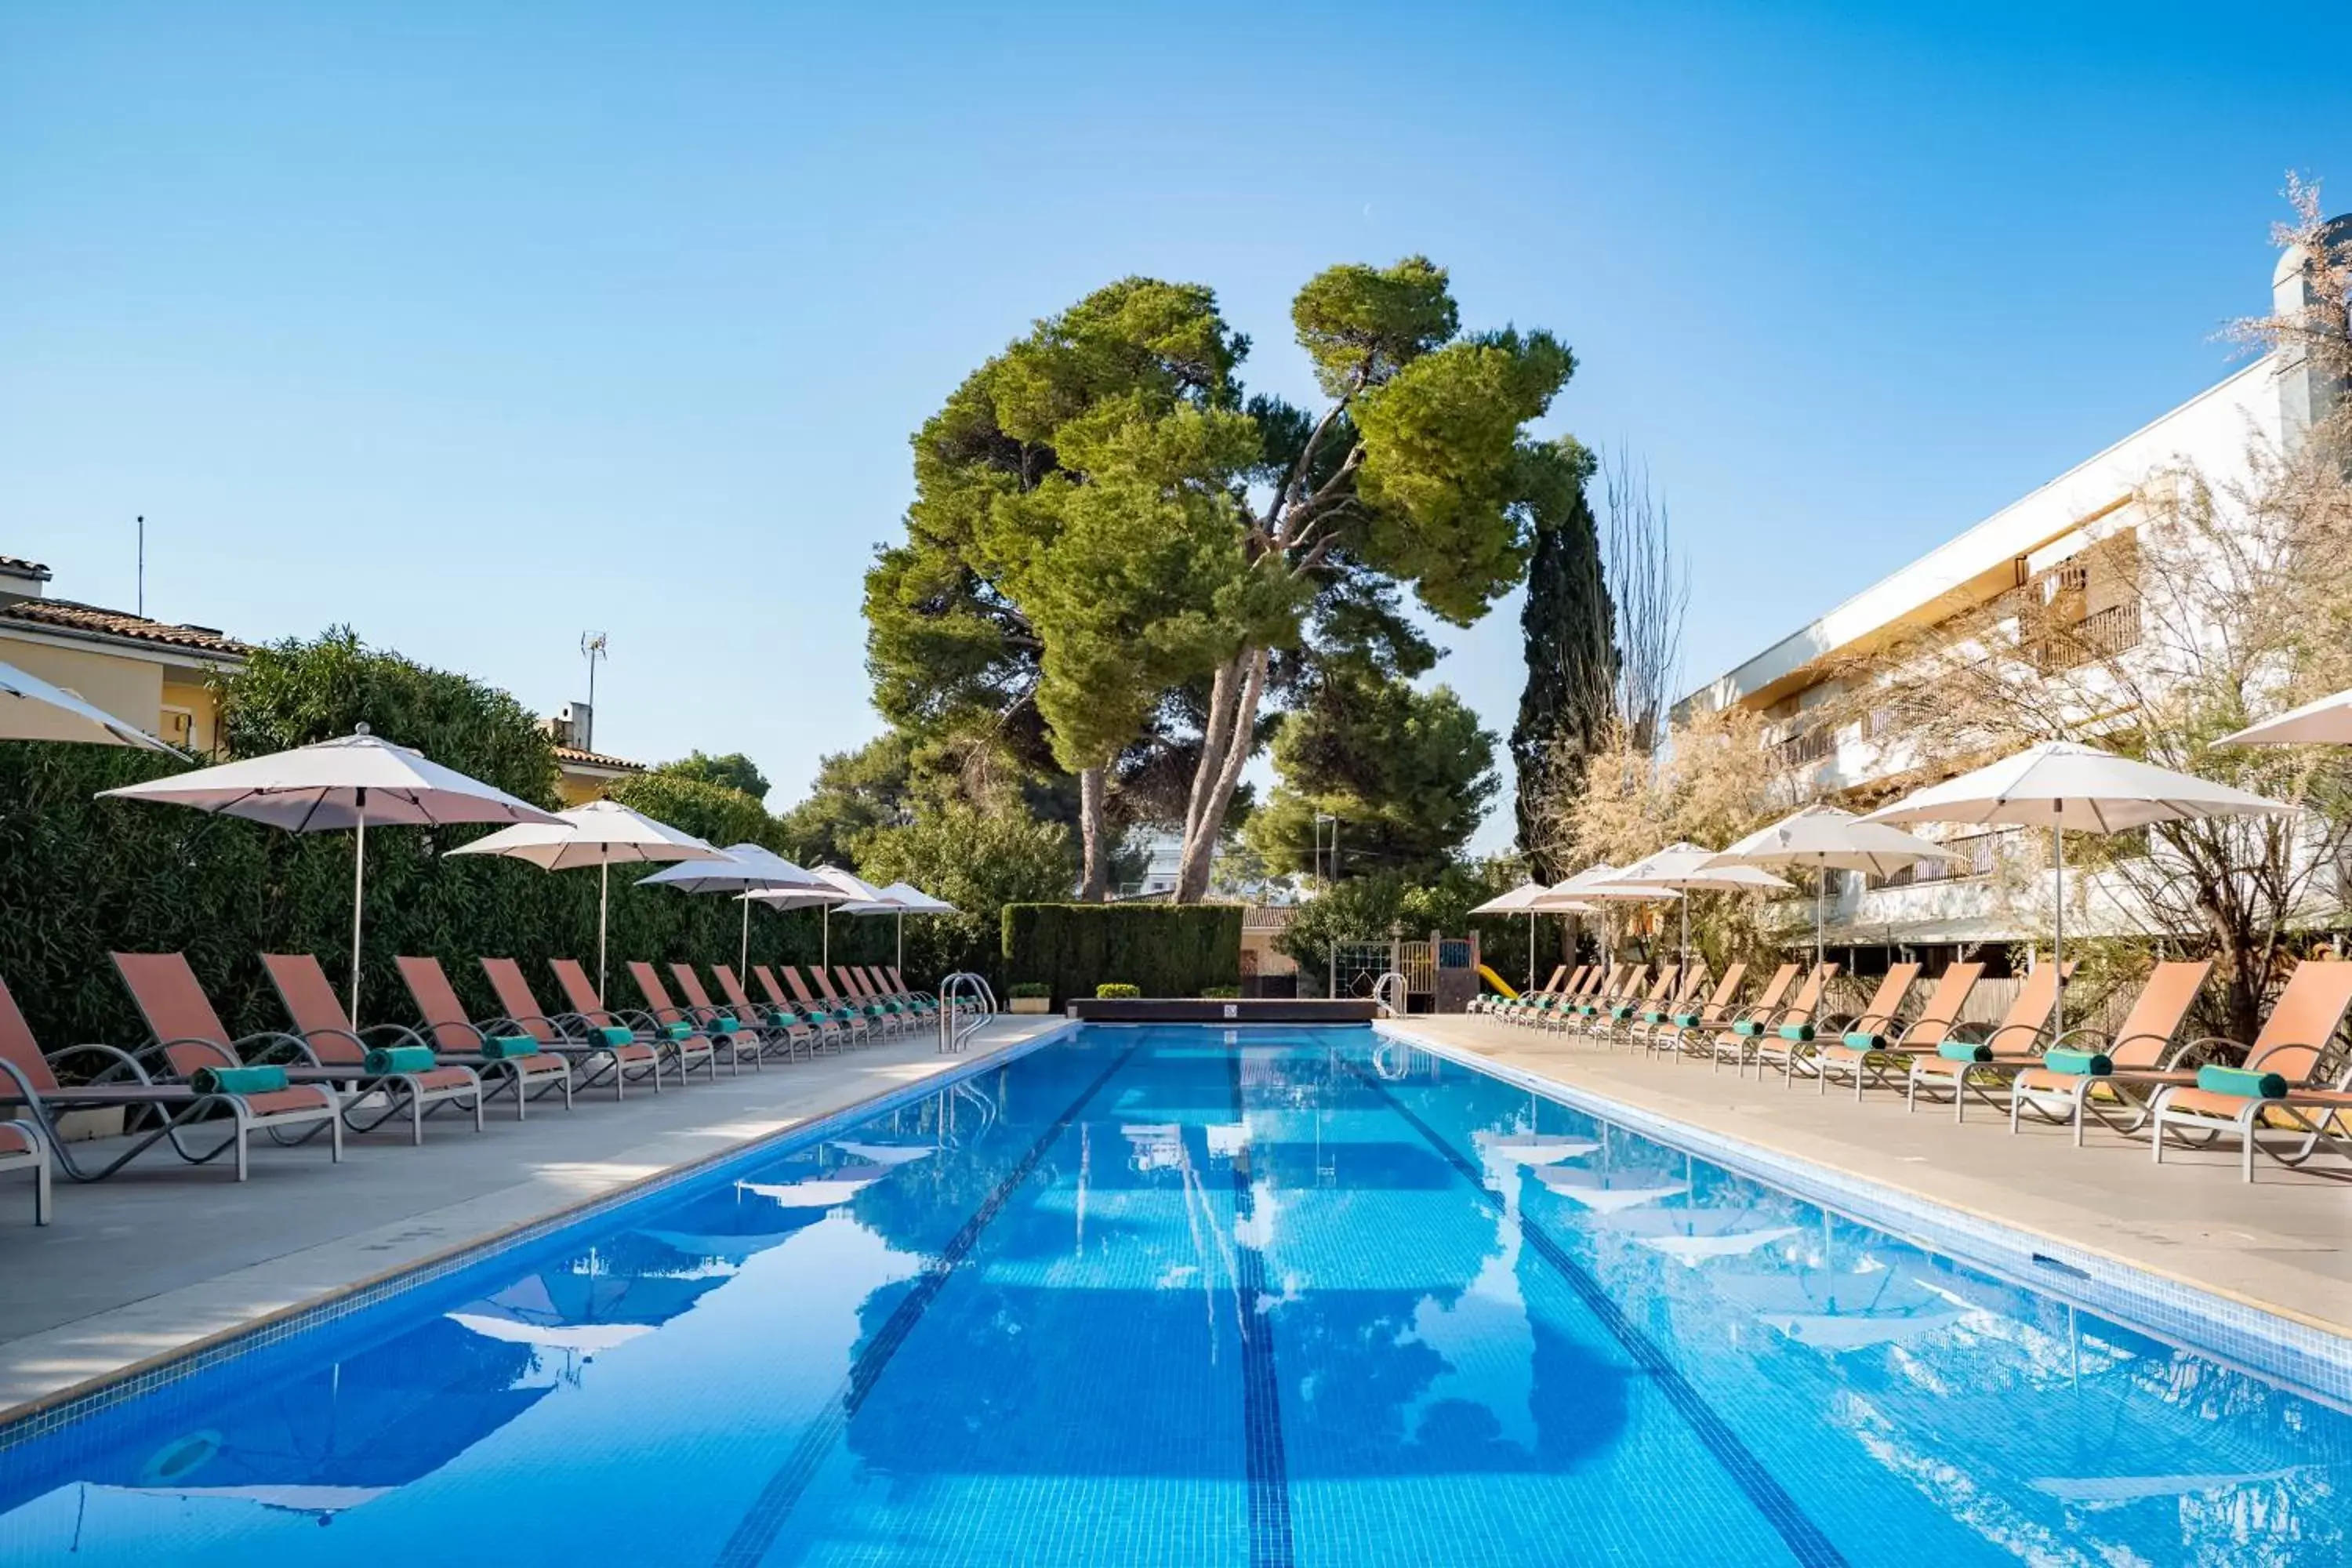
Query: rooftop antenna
[[143, 565], [593, 646]]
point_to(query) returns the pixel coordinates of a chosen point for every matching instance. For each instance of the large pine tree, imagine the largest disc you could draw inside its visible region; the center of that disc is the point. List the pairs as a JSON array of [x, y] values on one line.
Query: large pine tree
[[1571, 657]]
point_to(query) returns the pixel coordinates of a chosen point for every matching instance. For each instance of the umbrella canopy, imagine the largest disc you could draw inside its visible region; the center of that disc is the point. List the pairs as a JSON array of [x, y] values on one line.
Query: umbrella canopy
[[33, 710], [1526, 898], [602, 834], [915, 901], [1828, 840], [744, 866], [1686, 867], [2327, 722], [350, 782], [2062, 785]]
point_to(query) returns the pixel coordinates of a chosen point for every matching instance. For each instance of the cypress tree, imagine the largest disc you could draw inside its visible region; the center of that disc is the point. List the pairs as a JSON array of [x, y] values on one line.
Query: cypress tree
[[1571, 659]]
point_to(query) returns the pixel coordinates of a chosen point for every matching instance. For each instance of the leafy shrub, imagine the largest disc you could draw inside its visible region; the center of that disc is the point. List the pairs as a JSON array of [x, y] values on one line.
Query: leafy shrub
[[1029, 988], [1117, 990], [1167, 949], [1220, 992]]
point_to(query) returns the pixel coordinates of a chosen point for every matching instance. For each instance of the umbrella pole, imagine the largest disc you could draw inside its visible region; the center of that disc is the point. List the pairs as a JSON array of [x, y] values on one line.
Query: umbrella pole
[[604, 904], [1821, 883], [1531, 949], [743, 951], [902, 942], [824, 944], [2058, 945], [359, 901], [1686, 947]]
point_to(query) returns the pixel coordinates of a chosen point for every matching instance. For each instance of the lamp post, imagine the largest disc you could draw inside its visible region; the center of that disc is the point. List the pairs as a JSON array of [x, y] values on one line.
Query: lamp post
[[1331, 979]]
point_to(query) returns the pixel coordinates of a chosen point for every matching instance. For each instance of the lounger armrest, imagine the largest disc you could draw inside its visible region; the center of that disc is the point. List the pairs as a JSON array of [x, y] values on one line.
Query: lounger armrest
[[572, 1026], [353, 1036], [265, 1046], [160, 1050], [2207, 1050], [2089, 1038], [398, 1034], [120, 1063], [2319, 1055], [634, 1019]]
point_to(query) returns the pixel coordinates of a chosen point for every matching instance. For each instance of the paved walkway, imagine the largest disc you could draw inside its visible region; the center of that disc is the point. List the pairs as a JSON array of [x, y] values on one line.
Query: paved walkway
[[2283, 1245], [165, 1255]]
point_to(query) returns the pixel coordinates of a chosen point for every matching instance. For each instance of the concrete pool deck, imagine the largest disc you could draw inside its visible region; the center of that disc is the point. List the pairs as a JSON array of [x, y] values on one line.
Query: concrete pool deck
[[165, 1255], [2283, 1245]]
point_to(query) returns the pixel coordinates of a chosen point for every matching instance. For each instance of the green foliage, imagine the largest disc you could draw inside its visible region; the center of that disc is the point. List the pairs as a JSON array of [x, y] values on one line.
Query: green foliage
[[1375, 907], [711, 812], [1220, 992], [294, 693], [734, 770], [1170, 950], [1029, 988], [1565, 632], [1362, 324], [855, 793], [1407, 772], [81, 877], [1117, 990], [980, 861]]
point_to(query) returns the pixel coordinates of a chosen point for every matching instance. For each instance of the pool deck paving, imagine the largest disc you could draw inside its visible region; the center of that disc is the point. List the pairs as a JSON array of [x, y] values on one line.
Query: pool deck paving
[[2283, 1245], [164, 1255]]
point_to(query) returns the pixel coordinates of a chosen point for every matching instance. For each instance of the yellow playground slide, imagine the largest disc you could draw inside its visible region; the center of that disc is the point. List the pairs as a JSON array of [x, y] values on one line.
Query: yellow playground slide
[[1497, 981]]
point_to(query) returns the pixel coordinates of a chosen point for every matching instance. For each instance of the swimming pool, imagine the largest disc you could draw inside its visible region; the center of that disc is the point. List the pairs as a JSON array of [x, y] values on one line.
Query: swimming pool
[[1190, 1296]]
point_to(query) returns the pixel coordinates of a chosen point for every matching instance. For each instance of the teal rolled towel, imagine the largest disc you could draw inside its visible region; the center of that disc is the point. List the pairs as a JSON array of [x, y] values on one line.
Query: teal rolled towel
[[1963, 1051], [386, 1059], [1652, 1016], [725, 1025], [1798, 1032], [1749, 1028], [677, 1031], [2243, 1081], [510, 1047], [2079, 1064], [1686, 1020], [614, 1036], [1622, 1011], [1864, 1041], [237, 1080]]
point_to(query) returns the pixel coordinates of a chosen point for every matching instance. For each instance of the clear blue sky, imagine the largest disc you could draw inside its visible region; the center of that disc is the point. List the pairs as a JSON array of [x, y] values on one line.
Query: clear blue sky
[[475, 327]]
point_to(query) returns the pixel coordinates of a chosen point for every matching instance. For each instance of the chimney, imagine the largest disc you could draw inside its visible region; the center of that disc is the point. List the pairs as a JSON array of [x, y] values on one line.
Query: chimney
[[2306, 391], [580, 724], [21, 579]]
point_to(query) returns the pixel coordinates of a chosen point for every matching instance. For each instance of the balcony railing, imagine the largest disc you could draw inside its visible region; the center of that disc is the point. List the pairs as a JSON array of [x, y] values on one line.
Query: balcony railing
[[2102, 634], [1979, 854]]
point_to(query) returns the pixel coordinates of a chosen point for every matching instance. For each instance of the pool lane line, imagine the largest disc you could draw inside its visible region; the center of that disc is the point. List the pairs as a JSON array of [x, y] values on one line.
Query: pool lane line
[[1270, 1540], [756, 1533], [1788, 1519]]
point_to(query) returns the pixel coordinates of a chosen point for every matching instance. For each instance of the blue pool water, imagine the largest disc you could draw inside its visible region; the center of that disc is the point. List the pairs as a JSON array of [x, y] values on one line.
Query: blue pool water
[[1175, 1296]]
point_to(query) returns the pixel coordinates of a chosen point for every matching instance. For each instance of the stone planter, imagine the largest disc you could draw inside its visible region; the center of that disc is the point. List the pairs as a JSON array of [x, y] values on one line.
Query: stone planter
[[1029, 1004]]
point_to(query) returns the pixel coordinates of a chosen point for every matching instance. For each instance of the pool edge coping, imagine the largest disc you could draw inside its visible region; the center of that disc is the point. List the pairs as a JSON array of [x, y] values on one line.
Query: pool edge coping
[[30, 1419], [2275, 1343]]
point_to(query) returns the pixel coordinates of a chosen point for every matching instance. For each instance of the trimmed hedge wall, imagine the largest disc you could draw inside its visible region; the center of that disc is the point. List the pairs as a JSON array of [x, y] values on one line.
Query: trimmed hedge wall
[[1166, 949]]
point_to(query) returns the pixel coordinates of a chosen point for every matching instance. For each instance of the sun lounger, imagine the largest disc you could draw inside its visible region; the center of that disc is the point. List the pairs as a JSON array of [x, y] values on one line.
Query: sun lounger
[[2088, 1073], [853, 1024], [22, 1148], [1666, 1034], [681, 1051], [900, 981], [1791, 1047], [309, 1000], [1623, 988], [838, 1032], [490, 1047], [885, 1015], [108, 1078], [1598, 980], [1971, 1060], [1612, 1021], [2278, 1081], [723, 1035], [1740, 1043], [1711, 1038], [1877, 1048], [615, 1052], [1530, 1004], [879, 984], [761, 1035], [872, 1023], [782, 1024], [1485, 1003]]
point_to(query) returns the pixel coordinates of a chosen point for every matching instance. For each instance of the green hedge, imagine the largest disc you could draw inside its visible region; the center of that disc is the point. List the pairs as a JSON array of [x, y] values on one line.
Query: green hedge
[[1165, 949]]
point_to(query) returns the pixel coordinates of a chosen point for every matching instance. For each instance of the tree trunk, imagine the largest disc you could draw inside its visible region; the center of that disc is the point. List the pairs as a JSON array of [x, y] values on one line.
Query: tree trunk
[[1094, 833], [1225, 750]]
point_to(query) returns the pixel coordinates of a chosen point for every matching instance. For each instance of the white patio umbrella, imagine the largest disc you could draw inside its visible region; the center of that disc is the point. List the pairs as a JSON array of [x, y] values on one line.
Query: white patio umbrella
[[910, 899], [1598, 884], [1687, 868], [1524, 900], [2327, 721], [600, 833], [1828, 840], [334, 784], [2065, 785], [33, 710], [745, 866], [825, 895]]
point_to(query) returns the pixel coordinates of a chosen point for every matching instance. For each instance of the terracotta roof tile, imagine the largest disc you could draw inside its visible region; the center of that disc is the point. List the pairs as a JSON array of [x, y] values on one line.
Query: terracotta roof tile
[[66, 616], [21, 567], [596, 760]]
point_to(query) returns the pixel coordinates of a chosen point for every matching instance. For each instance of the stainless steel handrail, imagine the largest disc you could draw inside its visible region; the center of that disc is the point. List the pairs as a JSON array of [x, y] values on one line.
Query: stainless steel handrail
[[954, 1028], [1390, 984]]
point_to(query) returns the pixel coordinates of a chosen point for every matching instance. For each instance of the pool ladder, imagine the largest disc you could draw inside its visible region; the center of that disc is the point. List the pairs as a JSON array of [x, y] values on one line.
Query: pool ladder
[[1388, 993], [955, 1028]]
